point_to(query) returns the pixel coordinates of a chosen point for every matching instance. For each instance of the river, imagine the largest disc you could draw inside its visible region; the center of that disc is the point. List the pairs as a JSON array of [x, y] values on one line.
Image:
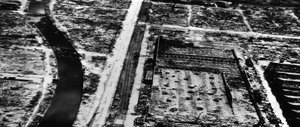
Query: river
[[67, 98]]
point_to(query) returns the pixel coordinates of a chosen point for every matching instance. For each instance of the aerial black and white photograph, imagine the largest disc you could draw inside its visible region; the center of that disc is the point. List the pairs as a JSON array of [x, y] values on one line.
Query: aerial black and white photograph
[[149, 63]]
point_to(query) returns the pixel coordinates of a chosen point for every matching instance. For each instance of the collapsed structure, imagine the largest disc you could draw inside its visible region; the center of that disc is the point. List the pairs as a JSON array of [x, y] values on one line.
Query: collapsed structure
[[195, 86], [284, 79]]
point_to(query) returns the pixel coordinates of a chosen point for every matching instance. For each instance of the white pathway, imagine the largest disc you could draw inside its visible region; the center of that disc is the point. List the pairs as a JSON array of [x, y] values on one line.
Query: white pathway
[[47, 80], [24, 4], [253, 34], [244, 19], [271, 97], [112, 70]]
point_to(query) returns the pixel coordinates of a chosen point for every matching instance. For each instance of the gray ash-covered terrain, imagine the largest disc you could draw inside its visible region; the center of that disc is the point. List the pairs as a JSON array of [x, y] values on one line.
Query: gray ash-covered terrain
[[149, 63]]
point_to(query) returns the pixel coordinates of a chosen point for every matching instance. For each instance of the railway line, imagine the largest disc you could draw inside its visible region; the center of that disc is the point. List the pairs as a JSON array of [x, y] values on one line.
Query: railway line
[[120, 103]]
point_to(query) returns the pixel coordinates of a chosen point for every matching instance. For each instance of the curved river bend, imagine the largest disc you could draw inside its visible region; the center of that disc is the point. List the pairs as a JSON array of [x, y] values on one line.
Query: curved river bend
[[66, 101]]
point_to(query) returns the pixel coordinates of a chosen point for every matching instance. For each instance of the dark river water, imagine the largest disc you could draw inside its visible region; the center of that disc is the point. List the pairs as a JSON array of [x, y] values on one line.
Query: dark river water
[[65, 104], [66, 101], [37, 6]]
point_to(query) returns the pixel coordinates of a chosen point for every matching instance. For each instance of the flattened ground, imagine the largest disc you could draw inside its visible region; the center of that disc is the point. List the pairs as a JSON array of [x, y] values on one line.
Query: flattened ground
[[188, 96], [22, 61], [17, 100]]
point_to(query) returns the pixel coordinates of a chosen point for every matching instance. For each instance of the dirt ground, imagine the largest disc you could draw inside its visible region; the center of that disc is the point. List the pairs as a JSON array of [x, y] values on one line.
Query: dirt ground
[[189, 96], [181, 95], [18, 98]]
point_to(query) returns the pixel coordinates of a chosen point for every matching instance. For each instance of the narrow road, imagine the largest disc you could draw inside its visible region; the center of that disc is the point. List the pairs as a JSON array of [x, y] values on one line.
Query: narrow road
[[248, 34], [66, 101]]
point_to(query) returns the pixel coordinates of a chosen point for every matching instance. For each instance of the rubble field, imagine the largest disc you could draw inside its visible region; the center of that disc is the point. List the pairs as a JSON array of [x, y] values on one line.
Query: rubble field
[[18, 98], [217, 18], [92, 27], [24, 88], [14, 24], [190, 96], [169, 14], [280, 21], [285, 3], [20, 61], [183, 63], [188, 85], [199, 49]]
